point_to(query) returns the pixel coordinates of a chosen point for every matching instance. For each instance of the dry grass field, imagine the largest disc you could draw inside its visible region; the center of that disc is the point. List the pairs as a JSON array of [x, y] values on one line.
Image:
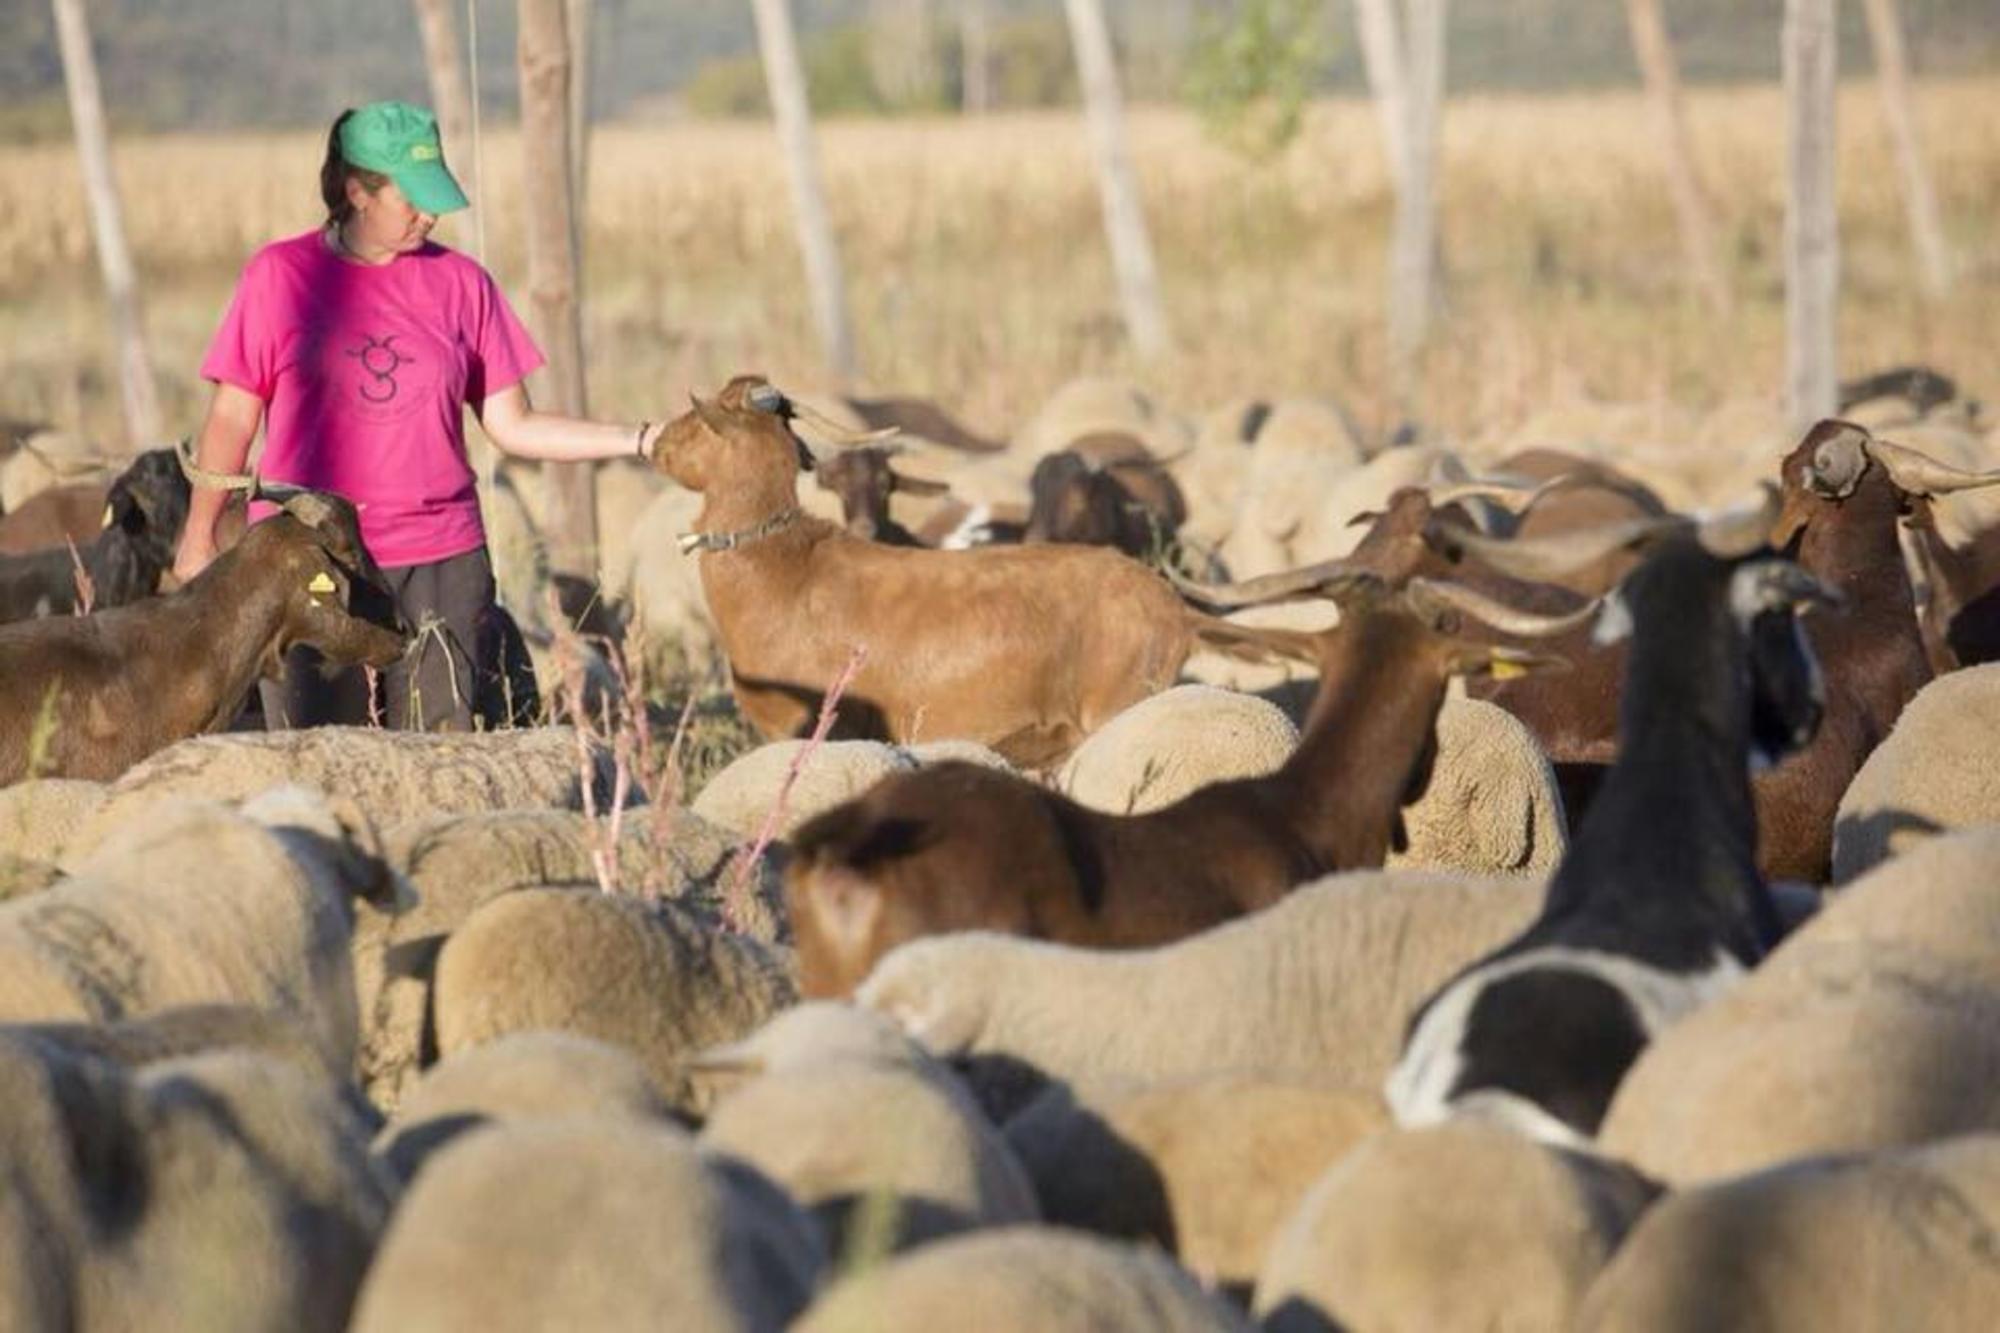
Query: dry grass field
[[977, 271]]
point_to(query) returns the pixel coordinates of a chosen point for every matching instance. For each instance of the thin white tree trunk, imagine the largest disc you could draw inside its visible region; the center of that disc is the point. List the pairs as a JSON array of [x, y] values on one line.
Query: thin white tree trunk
[[451, 98], [1388, 82], [1124, 217], [1892, 76], [555, 293], [1655, 53], [785, 79], [1413, 250], [139, 394], [1812, 231], [975, 55]]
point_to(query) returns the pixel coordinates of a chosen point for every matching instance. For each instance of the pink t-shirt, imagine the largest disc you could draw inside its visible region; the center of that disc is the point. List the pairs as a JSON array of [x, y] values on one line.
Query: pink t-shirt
[[364, 371]]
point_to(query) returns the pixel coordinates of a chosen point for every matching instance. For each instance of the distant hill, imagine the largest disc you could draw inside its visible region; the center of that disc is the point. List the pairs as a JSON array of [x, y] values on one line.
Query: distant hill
[[174, 64]]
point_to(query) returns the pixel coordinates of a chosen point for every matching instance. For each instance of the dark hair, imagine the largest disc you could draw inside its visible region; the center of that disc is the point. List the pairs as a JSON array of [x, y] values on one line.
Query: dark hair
[[335, 171]]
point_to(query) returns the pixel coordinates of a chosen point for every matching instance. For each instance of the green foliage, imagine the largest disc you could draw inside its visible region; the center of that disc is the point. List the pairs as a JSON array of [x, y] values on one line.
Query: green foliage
[[1252, 70]]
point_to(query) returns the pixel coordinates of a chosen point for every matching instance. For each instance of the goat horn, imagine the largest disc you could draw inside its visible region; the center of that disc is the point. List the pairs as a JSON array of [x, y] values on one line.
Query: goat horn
[[1737, 532], [1509, 496], [835, 433], [1264, 588], [1545, 559], [200, 476], [1428, 596], [1647, 502], [1917, 473]]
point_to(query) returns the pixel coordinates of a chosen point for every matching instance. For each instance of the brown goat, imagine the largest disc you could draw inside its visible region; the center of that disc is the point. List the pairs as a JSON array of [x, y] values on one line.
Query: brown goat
[[1592, 495], [1842, 492], [1133, 505], [1025, 649], [961, 846], [89, 696], [864, 480]]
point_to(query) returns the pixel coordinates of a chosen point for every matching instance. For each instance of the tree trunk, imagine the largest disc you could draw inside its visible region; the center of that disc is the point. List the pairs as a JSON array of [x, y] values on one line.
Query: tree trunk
[[107, 226], [1388, 82], [902, 52], [1655, 53], [975, 57], [1413, 250], [451, 98], [577, 19], [1892, 75], [1124, 218], [554, 278], [786, 81], [1812, 230]]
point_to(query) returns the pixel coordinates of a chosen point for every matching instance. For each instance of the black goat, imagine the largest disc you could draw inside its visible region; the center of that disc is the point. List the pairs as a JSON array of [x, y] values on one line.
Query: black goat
[[1659, 903], [143, 515]]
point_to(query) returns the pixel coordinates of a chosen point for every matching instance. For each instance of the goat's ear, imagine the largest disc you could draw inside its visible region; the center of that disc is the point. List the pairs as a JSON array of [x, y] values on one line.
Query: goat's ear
[[1364, 519], [710, 414], [807, 463], [845, 906], [908, 485]]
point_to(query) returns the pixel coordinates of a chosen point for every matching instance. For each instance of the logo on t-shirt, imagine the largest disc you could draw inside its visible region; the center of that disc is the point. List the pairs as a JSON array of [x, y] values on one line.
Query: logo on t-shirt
[[380, 360]]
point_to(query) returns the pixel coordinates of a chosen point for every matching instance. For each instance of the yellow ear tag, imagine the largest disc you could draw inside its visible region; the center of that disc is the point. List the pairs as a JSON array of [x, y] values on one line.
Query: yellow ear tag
[[1502, 669], [320, 583], [105, 522]]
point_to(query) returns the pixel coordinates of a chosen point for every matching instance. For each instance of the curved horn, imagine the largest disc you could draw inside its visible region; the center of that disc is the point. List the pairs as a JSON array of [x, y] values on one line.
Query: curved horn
[[1641, 497], [200, 476], [1917, 473], [1734, 533], [1544, 559], [1511, 497], [1429, 596], [1265, 587], [832, 431]]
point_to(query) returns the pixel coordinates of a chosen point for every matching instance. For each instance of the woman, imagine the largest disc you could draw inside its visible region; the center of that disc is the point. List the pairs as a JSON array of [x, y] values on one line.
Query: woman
[[357, 346]]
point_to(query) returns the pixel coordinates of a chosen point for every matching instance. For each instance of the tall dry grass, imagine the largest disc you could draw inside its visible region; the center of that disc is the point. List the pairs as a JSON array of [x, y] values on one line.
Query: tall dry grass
[[977, 271]]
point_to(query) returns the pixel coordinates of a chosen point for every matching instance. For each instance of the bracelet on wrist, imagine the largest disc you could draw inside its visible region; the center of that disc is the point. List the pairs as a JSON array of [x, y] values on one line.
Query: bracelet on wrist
[[639, 439]]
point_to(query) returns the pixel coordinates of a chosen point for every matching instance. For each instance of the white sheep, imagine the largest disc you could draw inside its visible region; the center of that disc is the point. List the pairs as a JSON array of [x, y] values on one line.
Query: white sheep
[[523, 1076], [1318, 986], [1875, 1025], [1214, 473], [1206, 1168], [1039, 1278], [187, 1030], [1933, 771], [608, 1223], [742, 796], [1166, 746], [872, 1139], [456, 863], [48, 458], [653, 978], [1092, 405], [1491, 804], [668, 612], [391, 776], [1298, 504], [1894, 1240], [1455, 1226], [225, 1192], [202, 903], [39, 817]]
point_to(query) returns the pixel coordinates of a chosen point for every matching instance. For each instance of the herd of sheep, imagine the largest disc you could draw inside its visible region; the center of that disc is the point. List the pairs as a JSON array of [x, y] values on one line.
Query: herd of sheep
[[1255, 877]]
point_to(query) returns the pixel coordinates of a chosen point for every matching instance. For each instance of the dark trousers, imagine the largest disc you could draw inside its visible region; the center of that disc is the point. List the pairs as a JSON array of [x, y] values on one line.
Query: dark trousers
[[449, 605]]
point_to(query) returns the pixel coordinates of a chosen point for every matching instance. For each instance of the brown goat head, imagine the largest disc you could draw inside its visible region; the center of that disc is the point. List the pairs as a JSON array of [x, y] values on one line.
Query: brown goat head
[[1836, 458], [338, 600], [741, 432]]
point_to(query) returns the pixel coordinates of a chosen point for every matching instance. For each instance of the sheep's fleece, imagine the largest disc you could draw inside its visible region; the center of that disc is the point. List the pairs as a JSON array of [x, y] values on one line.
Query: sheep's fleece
[[588, 1224]]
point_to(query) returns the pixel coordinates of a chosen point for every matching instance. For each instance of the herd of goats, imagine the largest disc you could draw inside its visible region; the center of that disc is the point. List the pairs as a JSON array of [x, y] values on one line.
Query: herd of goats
[[1705, 687]]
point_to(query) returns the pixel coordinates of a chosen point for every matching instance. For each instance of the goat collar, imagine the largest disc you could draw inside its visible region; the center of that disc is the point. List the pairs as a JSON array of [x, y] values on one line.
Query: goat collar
[[692, 542]]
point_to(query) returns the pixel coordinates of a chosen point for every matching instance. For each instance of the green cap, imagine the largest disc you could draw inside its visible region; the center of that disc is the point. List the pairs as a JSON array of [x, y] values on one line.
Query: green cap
[[401, 141]]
